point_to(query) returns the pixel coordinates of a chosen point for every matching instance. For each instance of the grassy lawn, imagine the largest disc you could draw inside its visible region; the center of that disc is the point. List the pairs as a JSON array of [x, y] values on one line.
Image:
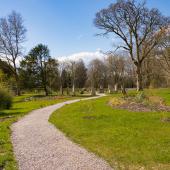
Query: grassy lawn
[[7, 117], [126, 139]]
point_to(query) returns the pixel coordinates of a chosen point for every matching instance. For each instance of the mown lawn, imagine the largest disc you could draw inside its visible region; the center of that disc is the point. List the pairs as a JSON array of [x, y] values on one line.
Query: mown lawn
[[126, 139], [7, 117]]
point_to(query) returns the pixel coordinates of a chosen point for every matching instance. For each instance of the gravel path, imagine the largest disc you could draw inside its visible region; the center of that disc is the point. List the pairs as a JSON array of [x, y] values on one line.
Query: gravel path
[[38, 145]]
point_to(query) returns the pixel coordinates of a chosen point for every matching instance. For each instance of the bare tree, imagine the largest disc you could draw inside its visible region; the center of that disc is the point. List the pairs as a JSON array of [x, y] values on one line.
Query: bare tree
[[138, 28], [115, 71], [12, 35], [61, 78], [110, 72], [97, 74], [80, 74], [91, 77], [73, 76]]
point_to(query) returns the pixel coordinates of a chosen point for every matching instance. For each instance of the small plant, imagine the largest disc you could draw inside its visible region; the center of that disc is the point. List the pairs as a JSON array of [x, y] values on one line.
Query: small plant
[[140, 97], [5, 99]]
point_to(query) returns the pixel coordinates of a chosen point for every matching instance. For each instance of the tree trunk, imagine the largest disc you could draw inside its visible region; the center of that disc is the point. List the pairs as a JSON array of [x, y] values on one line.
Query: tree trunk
[[116, 87], [123, 89], [139, 78], [73, 89], [110, 88], [18, 92], [101, 89], [93, 91], [68, 92], [46, 90], [61, 90]]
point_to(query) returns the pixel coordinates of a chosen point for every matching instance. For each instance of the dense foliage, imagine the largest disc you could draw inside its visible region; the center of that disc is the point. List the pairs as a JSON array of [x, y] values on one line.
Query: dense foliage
[[5, 99]]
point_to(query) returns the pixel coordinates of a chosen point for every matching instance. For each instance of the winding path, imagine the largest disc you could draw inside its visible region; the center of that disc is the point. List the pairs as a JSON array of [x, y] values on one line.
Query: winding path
[[38, 145]]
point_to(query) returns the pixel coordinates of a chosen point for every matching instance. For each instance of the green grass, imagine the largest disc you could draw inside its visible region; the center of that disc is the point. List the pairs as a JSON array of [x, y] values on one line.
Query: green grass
[[7, 117], [128, 139]]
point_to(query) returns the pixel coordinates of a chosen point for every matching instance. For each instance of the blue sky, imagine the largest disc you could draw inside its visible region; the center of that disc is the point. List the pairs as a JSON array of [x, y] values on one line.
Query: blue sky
[[66, 26]]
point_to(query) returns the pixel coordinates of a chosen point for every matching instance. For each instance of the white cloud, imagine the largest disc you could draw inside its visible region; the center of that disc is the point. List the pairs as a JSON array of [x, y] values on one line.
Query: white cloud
[[85, 56]]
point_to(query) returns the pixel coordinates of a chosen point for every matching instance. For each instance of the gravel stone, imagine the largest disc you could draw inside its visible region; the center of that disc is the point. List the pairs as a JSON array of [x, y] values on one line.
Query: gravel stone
[[38, 145]]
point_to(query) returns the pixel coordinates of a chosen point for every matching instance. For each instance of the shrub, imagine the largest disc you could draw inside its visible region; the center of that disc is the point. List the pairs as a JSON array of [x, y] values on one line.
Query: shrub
[[5, 99], [140, 97]]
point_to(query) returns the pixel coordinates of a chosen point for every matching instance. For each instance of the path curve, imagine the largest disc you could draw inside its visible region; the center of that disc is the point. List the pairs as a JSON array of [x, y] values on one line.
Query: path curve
[[38, 145]]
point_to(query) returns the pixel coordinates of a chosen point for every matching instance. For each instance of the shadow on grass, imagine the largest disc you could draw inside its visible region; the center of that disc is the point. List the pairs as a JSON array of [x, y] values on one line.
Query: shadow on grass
[[12, 111], [2, 119]]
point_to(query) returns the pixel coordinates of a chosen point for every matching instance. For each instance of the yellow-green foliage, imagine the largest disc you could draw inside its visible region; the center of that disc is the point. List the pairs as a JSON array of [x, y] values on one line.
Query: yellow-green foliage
[[5, 99], [2, 79], [156, 100]]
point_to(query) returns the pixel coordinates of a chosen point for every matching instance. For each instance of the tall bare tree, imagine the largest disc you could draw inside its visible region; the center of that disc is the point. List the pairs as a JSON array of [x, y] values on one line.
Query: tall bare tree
[[78, 74], [91, 77], [61, 69], [12, 36], [115, 71], [138, 28], [73, 76]]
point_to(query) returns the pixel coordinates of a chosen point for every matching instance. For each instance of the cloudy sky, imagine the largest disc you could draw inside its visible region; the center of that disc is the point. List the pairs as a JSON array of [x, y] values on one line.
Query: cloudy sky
[[66, 26], [86, 56]]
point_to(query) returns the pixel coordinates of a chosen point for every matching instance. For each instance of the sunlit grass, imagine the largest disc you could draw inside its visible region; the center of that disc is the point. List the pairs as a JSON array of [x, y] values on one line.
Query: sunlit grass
[[132, 140]]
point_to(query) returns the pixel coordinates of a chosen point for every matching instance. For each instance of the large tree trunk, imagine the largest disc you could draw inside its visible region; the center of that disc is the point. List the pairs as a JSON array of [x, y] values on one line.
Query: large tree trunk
[[139, 78]]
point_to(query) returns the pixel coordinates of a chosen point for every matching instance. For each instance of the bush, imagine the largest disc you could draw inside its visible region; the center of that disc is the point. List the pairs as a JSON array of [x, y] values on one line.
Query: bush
[[5, 99]]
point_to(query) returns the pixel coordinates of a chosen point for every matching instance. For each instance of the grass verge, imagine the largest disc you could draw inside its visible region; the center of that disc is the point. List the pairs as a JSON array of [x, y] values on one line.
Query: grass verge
[[22, 105]]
